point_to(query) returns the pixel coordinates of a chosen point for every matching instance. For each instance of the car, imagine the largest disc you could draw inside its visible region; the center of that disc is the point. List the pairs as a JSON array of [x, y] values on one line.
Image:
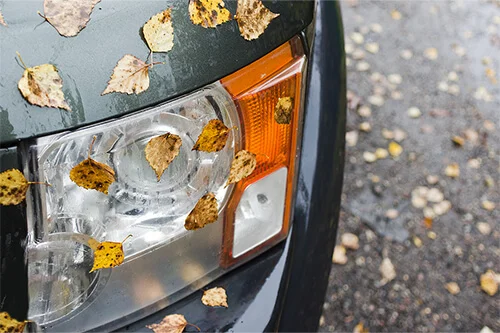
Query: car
[[271, 246]]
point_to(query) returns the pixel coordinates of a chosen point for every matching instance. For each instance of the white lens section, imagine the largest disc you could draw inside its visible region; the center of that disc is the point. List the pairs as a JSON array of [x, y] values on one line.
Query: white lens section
[[259, 215]]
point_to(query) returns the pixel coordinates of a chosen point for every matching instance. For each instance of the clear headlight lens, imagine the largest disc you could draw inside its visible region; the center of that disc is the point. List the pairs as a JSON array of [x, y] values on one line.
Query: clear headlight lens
[[163, 261]]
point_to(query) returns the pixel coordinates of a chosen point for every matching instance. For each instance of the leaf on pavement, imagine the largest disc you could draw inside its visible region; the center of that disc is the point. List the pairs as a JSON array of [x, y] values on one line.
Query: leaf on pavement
[[242, 166], [489, 282], [452, 288], [9, 324], [360, 328], [159, 32], [41, 85], [205, 212], [108, 254], [350, 241], [215, 297], [387, 270], [452, 170], [253, 18], [2, 21], [208, 13], [130, 75], [161, 151], [283, 110], [395, 149], [213, 137], [68, 17], [13, 187], [339, 256]]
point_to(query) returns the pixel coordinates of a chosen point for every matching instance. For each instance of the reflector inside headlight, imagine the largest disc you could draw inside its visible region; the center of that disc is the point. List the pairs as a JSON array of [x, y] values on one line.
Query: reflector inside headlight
[[163, 261]]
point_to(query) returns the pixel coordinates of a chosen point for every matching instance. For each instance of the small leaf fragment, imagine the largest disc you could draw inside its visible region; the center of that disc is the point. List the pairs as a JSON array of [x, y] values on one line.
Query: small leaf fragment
[[253, 18], [159, 32], [215, 297], [205, 212], [2, 21], [452, 170], [13, 187], [174, 323], [41, 85], [242, 166], [161, 151], [387, 270], [213, 137], [130, 75], [350, 241], [339, 256], [9, 324], [488, 205], [360, 328], [108, 254], [68, 17], [452, 287], [93, 175], [489, 282], [208, 13], [283, 110], [395, 149]]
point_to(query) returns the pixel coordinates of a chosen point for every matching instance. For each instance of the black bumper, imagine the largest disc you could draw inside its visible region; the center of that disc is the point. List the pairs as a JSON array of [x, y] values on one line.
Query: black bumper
[[283, 289]]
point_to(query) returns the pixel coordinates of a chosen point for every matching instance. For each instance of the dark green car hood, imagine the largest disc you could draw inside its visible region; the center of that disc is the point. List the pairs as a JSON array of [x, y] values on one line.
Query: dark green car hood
[[85, 62]]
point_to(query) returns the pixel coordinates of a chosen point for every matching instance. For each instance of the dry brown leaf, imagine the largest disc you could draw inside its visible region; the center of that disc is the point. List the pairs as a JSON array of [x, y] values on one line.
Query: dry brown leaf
[[428, 222], [2, 21], [452, 287], [253, 18], [215, 297], [213, 137], [161, 151], [360, 328], [174, 323], [242, 166], [283, 110], [339, 256], [9, 324], [108, 254], [489, 282], [452, 170], [91, 174], [68, 17], [208, 13], [205, 212], [159, 32], [41, 85], [130, 75]]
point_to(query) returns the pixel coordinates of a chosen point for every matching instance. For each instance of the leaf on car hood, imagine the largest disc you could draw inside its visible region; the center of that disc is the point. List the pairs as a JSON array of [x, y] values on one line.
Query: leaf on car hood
[[253, 18], [108, 254], [69, 17], [13, 187], [215, 297], [130, 75], [159, 32], [283, 110], [93, 175], [161, 151], [205, 212], [208, 13], [9, 324], [243, 164], [174, 323], [213, 137], [2, 21], [41, 85]]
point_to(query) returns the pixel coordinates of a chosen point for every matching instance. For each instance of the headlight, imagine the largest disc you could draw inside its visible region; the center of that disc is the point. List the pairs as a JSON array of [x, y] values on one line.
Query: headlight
[[163, 261]]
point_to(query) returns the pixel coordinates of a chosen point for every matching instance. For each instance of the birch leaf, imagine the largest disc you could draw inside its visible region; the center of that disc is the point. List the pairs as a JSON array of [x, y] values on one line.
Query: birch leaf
[[9, 324], [130, 75], [489, 282], [205, 212], [161, 151], [69, 17], [108, 254], [13, 187], [283, 110], [174, 323], [213, 137], [253, 18], [242, 166], [215, 297], [159, 32], [208, 13]]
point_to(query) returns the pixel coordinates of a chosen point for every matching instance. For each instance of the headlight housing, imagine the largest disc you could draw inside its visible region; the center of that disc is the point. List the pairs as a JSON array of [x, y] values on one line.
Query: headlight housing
[[163, 261]]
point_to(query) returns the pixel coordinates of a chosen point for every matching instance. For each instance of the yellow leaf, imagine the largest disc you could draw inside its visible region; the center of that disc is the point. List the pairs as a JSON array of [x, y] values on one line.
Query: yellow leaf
[[2, 22], [208, 13], [159, 32], [215, 297], [428, 222], [205, 212], [339, 256], [93, 175], [213, 137], [161, 151], [452, 170], [41, 85], [458, 140], [130, 75], [360, 328], [13, 187], [68, 17], [9, 324], [488, 205], [174, 323], [253, 18], [108, 254], [243, 165], [283, 110], [489, 282], [395, 149], [452, 288]]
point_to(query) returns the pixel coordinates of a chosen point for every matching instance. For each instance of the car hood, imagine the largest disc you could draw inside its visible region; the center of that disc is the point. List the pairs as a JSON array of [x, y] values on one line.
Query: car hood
[[85, 62]]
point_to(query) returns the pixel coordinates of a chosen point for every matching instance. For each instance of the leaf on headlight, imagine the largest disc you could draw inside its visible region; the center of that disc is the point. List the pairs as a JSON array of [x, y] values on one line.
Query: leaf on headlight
[[174, 323], [108, 254], [161, 151], [2, 21], [130, 75], [215, 297], [159, 32], [242, 166], [205, 212], [68, 17], [13, 187], [283, 110], [92, 175], [213, 137], [253, 18], [208, 13], [41, 85], [9, 324]]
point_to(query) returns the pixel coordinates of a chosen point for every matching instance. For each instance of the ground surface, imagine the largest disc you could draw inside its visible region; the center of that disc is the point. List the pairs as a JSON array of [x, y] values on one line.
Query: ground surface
[[447, 59]]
